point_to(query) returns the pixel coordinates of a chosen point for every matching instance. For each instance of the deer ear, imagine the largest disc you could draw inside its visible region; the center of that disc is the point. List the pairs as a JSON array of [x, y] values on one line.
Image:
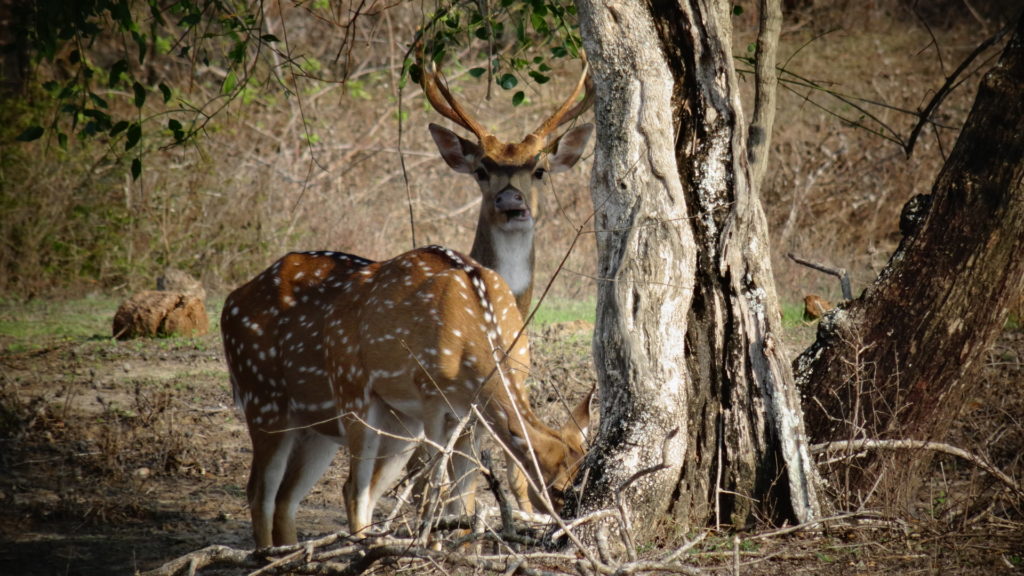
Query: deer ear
[[569, 148], [579, 423], [459, 153]]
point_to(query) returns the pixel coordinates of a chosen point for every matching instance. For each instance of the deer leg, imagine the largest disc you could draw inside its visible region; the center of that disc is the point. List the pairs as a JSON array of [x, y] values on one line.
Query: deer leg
[[311, 456], [464, 475], [517, 484], [270, 461], [379, 451]]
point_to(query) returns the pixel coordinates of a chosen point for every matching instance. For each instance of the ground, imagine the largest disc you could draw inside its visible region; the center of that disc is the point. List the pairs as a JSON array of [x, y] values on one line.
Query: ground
[[119, 456]]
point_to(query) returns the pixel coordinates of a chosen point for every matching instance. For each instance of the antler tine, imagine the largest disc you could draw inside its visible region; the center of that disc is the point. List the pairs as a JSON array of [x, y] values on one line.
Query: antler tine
[[567, 111], [446, 105]]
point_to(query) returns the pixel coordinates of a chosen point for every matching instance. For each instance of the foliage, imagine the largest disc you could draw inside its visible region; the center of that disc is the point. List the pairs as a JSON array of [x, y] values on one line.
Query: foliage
[[548, 26], [106, 49]]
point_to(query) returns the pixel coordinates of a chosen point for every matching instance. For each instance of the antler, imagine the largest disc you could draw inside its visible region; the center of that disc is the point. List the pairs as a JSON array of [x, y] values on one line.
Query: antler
[[513, 154], [567, 111], [446, 105]]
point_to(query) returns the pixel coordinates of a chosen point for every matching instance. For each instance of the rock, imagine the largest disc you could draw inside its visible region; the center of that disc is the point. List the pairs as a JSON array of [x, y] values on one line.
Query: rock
[[154, 313], [815, 307]]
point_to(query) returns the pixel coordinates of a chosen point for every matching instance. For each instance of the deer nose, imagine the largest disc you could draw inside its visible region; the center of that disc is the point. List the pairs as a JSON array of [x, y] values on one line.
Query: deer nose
[[510, 199]]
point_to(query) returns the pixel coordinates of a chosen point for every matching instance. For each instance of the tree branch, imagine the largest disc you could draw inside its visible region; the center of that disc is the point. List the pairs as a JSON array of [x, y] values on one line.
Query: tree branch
[[869, 444], [766, 87]]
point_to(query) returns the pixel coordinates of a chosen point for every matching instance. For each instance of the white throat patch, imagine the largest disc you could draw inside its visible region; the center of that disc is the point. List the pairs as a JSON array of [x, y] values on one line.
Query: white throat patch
[[512, 250]]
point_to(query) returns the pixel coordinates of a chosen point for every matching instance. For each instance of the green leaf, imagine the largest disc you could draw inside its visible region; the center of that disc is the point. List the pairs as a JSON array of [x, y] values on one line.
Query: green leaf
[[136, 168], [176, 129], [416, 73], [477, 72], [508, 81], [134, 135], [116, 71], [140, 40], [229, 83], [140, 94], [31, 133], [119, 127], [166, 91], [269, 38], [538, 77], [539, 23], [237, 52], [737, 10], [97, 100], [101, 120], [62, 141], [518, 98]]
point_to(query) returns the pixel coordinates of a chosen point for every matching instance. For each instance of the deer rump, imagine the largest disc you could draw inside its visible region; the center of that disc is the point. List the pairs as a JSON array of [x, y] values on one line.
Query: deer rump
[[327, 348]]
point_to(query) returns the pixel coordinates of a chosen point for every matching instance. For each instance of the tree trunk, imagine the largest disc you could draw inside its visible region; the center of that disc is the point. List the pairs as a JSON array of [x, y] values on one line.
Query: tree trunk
[[700, 421], [899, 361]]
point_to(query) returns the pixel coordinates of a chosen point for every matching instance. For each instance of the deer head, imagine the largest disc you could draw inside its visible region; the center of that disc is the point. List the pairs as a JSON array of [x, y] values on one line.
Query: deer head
[[509, 175]]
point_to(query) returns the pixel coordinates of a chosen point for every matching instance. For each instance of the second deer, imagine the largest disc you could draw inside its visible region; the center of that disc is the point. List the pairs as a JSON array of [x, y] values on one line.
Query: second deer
[[509, 175]]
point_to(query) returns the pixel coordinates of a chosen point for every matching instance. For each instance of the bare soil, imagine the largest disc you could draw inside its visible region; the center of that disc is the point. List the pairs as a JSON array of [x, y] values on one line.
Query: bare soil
[[119, 456]]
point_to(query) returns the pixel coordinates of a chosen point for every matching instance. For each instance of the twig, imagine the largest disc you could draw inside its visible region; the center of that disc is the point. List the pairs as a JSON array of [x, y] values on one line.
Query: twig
[[205, 557], [947, 87], [504, 506], [844, 277], [869, 444]]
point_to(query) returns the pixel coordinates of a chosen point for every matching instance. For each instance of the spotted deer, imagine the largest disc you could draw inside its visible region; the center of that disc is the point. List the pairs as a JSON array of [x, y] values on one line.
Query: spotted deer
[[403, 348], [509, 176]]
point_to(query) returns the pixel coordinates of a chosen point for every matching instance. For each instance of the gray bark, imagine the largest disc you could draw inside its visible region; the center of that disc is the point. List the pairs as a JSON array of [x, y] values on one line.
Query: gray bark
[[647, 259], [687, 335]]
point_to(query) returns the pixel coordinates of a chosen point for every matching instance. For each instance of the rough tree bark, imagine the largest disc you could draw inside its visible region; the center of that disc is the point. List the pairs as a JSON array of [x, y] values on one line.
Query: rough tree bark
[[898, 361], [691, 368]]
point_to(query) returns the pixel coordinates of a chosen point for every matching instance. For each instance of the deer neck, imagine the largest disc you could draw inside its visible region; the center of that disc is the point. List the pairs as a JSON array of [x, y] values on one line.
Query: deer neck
[[519, 428], [510, 253]]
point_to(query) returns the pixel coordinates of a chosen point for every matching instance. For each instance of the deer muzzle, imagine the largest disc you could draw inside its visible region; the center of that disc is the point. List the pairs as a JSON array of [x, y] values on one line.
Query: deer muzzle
[[512, 204]]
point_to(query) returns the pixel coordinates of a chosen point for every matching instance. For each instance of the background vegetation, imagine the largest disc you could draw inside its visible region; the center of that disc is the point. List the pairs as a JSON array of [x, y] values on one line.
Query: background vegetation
[[309, 138]]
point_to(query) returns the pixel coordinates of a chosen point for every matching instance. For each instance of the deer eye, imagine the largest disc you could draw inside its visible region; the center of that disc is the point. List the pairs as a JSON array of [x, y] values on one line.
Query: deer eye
[[539, 173], [481, 174]]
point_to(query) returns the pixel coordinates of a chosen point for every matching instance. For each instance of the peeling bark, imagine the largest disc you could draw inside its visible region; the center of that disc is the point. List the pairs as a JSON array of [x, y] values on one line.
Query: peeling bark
[[688, 323]]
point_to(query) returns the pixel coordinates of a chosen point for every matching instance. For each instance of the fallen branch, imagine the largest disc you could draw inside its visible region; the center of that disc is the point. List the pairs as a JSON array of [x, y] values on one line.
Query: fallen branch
[[869, 444], [209, 556]]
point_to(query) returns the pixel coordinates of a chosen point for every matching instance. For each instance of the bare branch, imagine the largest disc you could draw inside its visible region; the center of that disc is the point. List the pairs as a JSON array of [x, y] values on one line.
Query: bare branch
[[844, 277], [952, 81], [759, 140], [869, 444]]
